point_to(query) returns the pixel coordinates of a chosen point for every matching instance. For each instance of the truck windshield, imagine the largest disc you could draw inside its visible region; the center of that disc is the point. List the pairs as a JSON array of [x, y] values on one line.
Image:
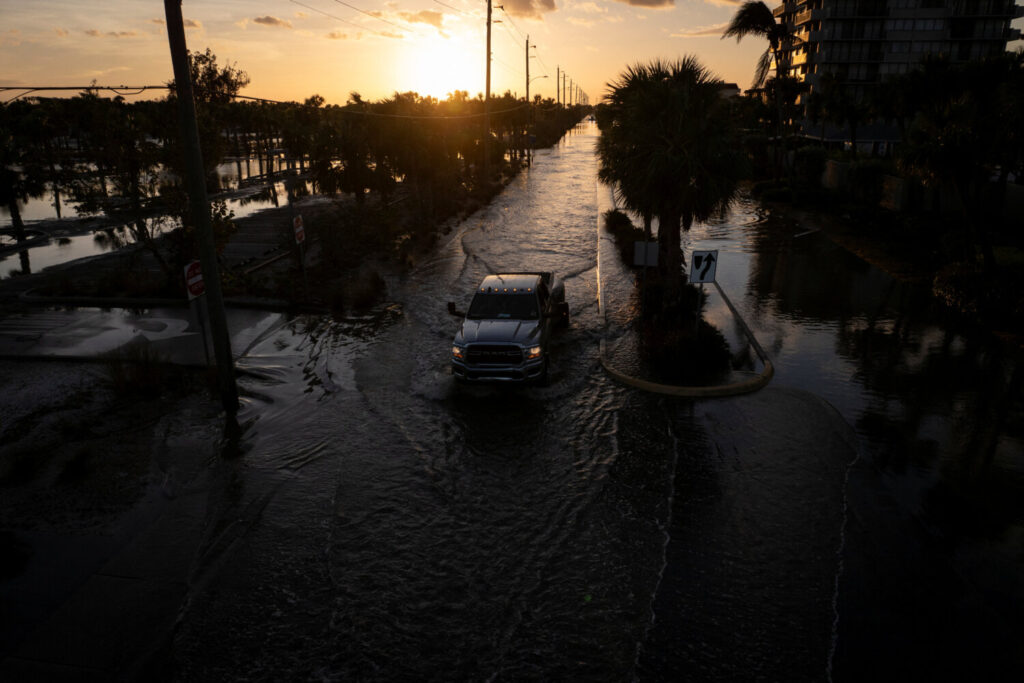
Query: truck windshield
[[495, 306]]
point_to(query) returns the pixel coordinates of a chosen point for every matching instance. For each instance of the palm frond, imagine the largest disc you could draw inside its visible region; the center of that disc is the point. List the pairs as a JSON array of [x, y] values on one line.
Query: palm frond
[[751, 19], [764, 65]]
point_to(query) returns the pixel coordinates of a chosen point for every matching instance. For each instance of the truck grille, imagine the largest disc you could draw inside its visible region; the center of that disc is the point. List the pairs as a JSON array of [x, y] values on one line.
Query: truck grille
[[497, 354]]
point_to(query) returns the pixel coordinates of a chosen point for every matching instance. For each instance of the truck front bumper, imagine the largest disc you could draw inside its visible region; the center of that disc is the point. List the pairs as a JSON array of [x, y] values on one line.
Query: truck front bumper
[[530, 371]]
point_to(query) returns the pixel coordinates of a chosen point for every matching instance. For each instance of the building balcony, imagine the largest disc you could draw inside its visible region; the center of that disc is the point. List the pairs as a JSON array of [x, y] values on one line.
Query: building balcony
[[784, 8], [801, 59], [808, 15]]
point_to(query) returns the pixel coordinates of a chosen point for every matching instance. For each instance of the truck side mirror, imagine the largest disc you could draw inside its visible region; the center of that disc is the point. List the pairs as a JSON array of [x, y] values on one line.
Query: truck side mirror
[[453, 311]]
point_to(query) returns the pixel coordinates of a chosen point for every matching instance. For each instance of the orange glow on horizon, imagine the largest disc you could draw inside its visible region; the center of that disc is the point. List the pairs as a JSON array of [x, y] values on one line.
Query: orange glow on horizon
[[437, 66]]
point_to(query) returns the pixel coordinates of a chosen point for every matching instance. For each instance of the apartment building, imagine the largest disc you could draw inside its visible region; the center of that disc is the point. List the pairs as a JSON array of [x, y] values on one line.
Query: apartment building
[[862, 42]]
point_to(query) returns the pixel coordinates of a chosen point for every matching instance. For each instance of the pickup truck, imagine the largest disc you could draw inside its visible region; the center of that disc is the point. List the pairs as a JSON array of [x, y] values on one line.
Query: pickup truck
[[505, 334]]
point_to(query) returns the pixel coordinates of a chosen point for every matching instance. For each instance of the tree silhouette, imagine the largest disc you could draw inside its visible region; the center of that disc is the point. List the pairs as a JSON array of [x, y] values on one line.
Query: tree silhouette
[[754, 18], [670, 148]]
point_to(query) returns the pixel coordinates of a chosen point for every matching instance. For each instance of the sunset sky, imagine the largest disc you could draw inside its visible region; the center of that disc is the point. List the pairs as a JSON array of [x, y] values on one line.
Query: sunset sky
[[292, 49]]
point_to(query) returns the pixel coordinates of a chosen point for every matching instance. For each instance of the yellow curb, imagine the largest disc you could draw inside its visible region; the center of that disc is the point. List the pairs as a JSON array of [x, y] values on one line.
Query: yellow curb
[[734, 389]]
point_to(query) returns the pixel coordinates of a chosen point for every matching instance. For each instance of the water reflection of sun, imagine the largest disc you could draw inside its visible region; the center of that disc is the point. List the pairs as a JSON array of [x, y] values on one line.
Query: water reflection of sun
[[437, 66]]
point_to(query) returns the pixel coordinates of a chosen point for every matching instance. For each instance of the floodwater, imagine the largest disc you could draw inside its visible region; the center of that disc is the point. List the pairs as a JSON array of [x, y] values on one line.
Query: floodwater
[[860, 518], [62, 248]]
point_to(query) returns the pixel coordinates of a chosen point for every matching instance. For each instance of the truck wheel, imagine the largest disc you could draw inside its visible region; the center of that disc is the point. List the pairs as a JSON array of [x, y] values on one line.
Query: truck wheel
[[545, 378]]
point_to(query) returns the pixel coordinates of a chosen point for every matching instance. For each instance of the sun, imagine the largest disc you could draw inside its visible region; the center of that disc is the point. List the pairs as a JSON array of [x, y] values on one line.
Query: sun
[[436, 66]]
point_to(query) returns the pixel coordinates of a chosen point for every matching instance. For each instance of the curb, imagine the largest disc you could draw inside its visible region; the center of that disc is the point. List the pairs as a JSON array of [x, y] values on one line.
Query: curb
[[720, 391], [271, 305]]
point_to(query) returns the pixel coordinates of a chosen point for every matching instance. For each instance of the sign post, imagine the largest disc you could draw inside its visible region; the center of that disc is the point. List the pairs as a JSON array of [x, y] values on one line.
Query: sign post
[[196, 289], [703, 265], [645, 254]]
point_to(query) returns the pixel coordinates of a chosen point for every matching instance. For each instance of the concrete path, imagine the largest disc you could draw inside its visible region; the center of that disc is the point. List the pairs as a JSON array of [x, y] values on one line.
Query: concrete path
[[171, 334]]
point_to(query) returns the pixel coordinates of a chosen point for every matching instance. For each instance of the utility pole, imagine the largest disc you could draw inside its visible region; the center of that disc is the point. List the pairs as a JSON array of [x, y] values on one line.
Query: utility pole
[[487, 103], [526, 142], [200, 207], [571, 86], [558, 85], [527, 69]]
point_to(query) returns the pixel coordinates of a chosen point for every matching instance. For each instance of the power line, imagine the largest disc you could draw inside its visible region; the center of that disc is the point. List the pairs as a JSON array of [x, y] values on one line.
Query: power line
[[510, 68], [370, 14], [128, 89], [547, 71], [515, 41], [456, 9], [521, 34], [328, 14]]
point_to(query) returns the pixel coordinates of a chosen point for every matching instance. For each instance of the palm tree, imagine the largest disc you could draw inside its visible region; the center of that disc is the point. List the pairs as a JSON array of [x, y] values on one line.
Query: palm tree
[[754, 18], [670, 148], [22, 175]]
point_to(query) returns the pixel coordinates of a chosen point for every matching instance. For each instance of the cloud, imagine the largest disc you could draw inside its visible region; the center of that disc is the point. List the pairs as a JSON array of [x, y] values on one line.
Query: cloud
[[714, 31], [62, 32], [729, 3], [337, 35], [531, 9], [652, 4], [100, 73], [111, 34], [427, 16], [589, 7], [301, 15], [192, 23], [11, 37], [272, 21], [388, 34]]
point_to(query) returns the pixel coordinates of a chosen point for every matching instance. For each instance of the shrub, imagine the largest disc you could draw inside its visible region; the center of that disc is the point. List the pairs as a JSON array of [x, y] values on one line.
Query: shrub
[[808, 165], [624, 232], [865, 179]]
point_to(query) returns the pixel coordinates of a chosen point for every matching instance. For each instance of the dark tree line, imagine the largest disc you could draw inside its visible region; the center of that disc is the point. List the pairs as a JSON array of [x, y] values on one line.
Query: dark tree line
[[123, 159]]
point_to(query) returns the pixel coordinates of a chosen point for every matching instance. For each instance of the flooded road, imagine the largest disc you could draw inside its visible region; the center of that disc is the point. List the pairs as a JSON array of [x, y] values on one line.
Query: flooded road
[[376, 522]]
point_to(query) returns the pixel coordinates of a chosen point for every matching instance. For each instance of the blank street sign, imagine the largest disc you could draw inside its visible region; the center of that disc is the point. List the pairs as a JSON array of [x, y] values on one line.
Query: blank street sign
[[702, 266]]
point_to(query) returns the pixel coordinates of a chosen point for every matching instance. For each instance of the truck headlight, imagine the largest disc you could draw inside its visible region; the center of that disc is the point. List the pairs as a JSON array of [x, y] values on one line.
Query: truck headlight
[[534, 352], [458, 352]]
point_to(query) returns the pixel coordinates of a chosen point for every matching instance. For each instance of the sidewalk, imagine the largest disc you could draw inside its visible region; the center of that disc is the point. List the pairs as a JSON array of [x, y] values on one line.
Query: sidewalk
[[172, 334]]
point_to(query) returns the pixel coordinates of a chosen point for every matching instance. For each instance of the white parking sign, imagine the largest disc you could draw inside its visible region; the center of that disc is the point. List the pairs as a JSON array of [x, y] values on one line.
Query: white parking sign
[[702, 266]]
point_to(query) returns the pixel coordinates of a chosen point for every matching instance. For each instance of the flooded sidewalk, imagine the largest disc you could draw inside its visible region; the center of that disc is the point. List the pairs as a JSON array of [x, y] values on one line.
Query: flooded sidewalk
[[171, 335]]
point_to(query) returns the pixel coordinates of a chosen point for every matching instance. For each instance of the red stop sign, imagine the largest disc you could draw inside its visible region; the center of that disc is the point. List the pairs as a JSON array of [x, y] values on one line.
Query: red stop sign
[[194, 280]]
